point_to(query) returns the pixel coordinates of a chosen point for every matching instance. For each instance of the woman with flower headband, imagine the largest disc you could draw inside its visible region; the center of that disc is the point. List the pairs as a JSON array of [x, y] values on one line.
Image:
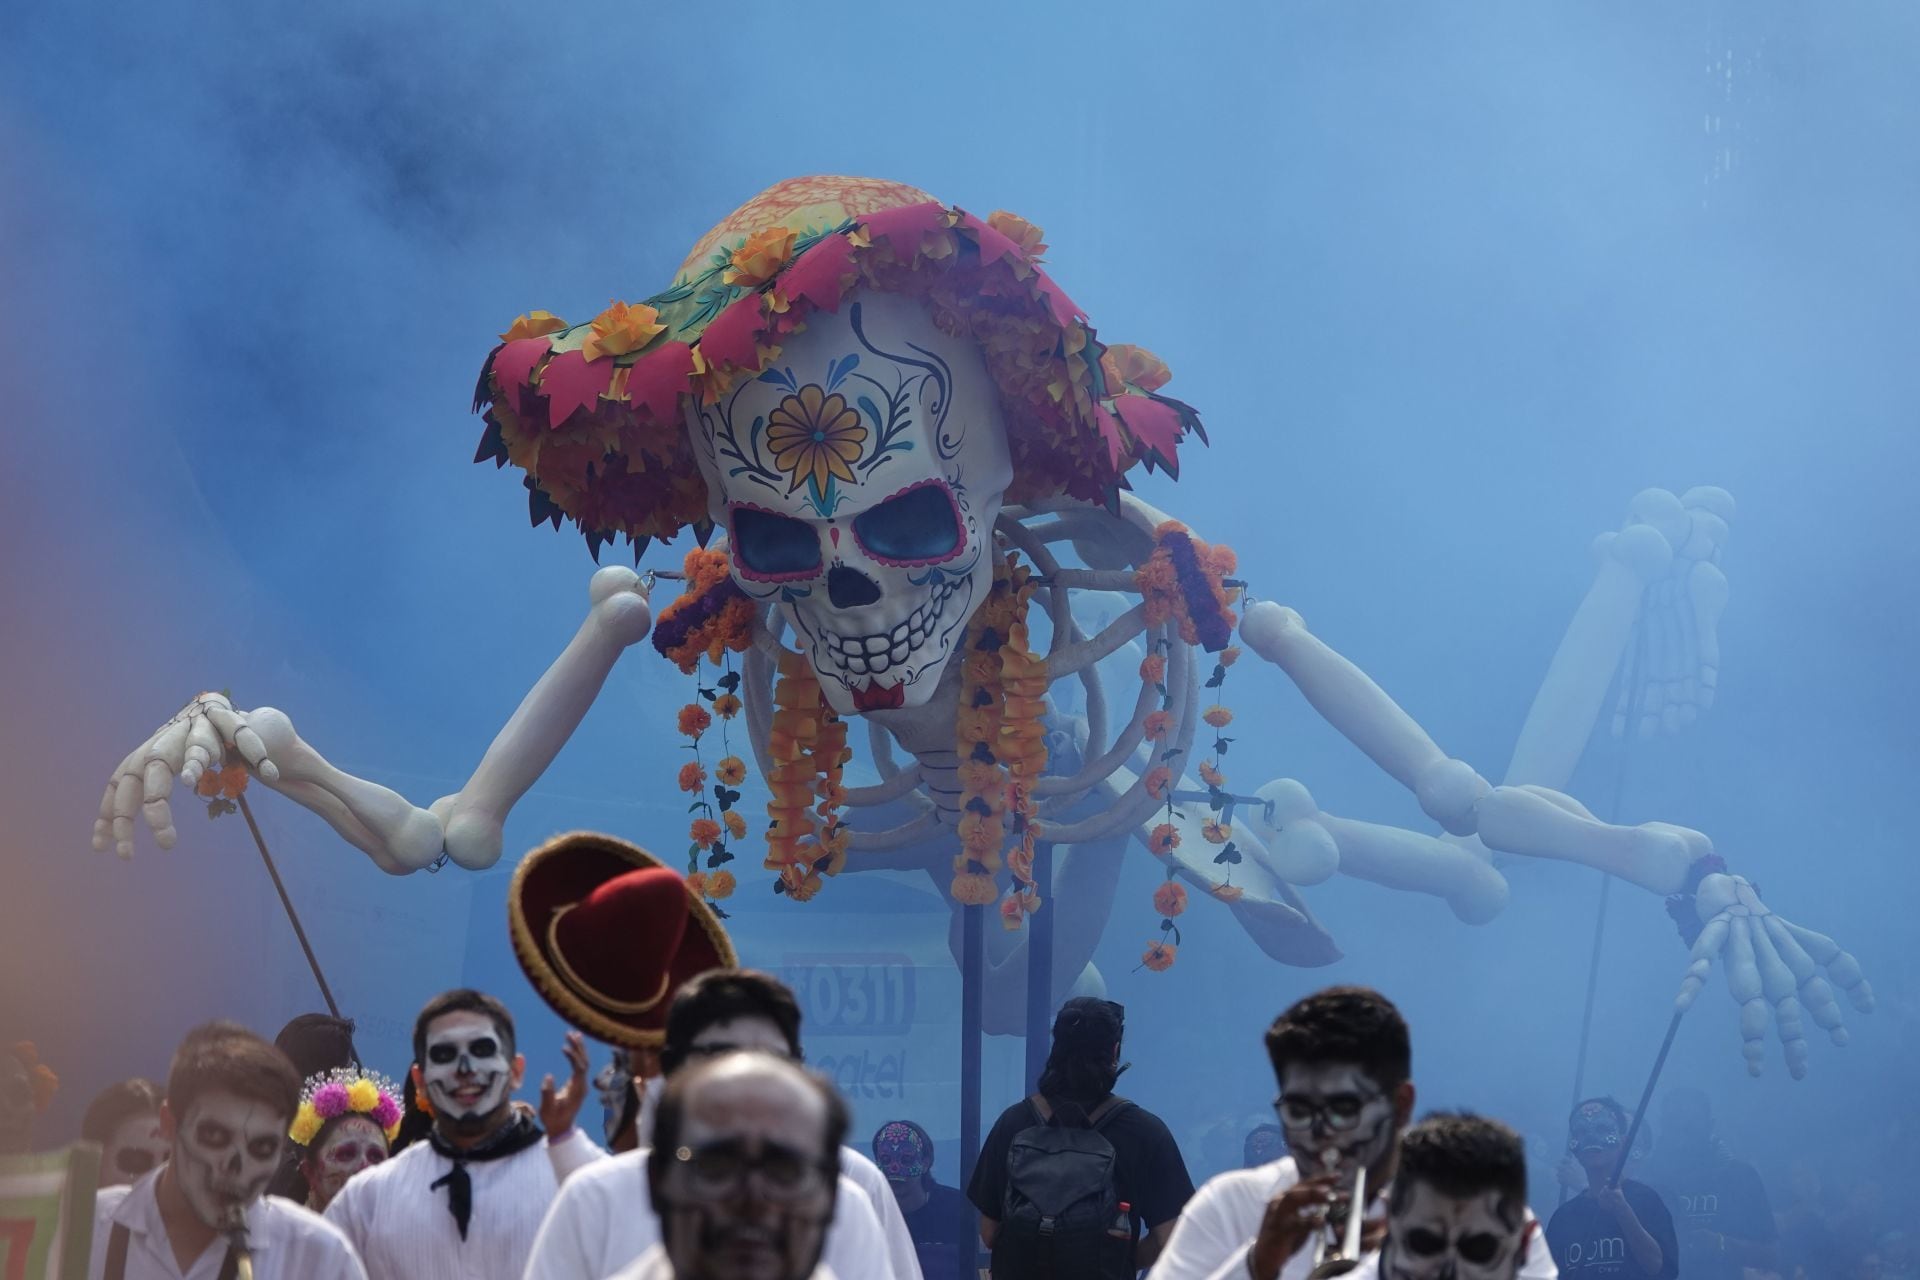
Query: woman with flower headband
[[346, 1122]]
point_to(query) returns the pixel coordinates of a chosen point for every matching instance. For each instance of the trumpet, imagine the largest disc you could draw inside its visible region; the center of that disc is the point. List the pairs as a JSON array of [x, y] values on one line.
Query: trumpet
[[237, 1247], [1346, 1256]]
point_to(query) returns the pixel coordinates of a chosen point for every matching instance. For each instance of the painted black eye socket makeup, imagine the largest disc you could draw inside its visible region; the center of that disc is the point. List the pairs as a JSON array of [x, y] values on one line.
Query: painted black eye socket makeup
[[920, 524], [774, 546], [1480, 1248], [484, 1047], [214, 1136], [263, 1148], [1340, 1110], [442, 1054], [1425, 1242]]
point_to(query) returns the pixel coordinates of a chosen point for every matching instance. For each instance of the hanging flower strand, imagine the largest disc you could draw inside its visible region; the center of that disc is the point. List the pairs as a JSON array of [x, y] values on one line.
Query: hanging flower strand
[[1001, 740]]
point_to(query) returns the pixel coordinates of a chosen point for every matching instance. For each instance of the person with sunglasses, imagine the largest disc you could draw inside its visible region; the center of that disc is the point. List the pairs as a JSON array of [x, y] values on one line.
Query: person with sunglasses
[[744, 1172], [1343, 1060]]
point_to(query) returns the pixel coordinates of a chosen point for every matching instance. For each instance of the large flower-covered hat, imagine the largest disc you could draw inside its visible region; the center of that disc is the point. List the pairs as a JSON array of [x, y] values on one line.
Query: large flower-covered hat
[[594, 412]]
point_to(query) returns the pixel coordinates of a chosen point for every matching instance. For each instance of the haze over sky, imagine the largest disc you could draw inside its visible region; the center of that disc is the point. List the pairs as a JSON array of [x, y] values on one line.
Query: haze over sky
[[1449, 284]]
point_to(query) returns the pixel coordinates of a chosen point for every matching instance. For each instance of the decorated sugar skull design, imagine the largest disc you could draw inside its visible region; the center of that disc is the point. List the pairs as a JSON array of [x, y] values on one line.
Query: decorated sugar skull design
[[858, 480], [468, 1071], [1336, 1118], [350, 1144], [1435, 1236], [225, 1150], [346, 1122], [1595, 1129], [902, 1151], [614, 1084]]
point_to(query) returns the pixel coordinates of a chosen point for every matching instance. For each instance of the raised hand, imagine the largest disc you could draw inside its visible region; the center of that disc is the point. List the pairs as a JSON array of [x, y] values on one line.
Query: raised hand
[[560, 1107], [1770, 962], [202, 735]]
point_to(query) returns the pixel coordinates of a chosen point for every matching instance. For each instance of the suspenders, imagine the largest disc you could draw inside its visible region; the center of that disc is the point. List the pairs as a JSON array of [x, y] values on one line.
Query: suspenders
[[117, 1256]]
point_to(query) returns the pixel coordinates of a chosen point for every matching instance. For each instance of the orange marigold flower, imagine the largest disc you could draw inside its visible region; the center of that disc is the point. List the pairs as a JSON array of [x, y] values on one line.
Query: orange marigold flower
[[692, 776], [1159, 781], [1212, 776], [736, 824], [1158, 957], [1019, 230], [233, 780], [1229, 655], [694, 720], [534, 324], [1012, 912], [1155, 726], [1216, 831], [727, 706], [760, 258], [208, 785], [1217, 716], [1164, 839], [973, 889], [1125, 365], [697, 883], [720, 884], [732, 771], [703, 832], [1153, 669], [1170, 899], [801, 884], [621, 329], [1227, 892]]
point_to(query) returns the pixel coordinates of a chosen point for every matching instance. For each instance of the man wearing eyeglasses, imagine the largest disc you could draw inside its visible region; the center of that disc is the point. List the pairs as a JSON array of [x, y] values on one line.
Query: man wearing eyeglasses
[[743, 1173], [1343, 1060], [598, 1223]]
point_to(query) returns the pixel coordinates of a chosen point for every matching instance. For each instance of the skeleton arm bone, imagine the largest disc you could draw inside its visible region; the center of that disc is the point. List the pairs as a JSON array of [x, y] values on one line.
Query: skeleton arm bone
[[398, 836]]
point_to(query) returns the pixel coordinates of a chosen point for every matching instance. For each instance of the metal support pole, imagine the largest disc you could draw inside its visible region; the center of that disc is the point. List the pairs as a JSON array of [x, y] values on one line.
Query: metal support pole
[[1646, 1096], [1040, 966], [259, 842], [973, 981]]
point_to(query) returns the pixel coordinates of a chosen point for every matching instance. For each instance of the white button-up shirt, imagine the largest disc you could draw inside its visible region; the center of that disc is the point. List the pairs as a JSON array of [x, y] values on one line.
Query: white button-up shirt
[[653, 1265], [287, 1241]]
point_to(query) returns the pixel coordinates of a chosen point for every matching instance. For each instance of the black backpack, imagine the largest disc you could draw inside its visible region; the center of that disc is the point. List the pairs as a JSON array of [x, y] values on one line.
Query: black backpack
[[1061, 1200]]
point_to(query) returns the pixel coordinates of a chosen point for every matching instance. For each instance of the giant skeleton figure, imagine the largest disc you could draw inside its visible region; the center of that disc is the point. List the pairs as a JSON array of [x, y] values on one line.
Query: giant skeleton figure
[[859, 466]]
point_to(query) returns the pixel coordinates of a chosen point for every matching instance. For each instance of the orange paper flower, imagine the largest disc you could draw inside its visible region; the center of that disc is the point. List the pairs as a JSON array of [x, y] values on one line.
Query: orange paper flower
[[1153, 668], [1212, 776], [1216, 831], [736, 824], [1012, 912], [1217, 716], [727, 706], [1125, 365], [1164, 839], [692, 776], [731, 771], [1229, 655], [1227, 892], [1159, 781], [1158, 957], [703, 832], [694, 720], [760, 258], [621, 329], [534, 324], [1019, 230], [1155, 726], [697, 883], [720, 884], [801, 884], [973, 889], [814, 437], [1170, 899]]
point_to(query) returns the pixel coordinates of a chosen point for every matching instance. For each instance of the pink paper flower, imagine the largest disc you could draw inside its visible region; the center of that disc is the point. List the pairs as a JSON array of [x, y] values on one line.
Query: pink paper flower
[[330, 1100]]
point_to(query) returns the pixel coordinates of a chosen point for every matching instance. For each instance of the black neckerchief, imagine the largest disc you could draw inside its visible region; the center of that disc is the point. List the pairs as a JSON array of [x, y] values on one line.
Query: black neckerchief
[[515, 1136]]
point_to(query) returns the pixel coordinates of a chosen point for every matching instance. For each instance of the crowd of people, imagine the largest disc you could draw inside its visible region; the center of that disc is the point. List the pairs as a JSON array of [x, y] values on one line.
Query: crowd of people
[[720, 1155]]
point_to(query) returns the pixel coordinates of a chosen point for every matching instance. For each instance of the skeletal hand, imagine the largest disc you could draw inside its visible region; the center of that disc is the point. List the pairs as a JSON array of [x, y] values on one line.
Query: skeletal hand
[[1672, 669], [201, 736], [1770, 961]]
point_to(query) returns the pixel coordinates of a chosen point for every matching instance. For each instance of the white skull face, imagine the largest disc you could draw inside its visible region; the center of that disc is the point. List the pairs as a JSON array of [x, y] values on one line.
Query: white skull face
[[859, 479], [1434, 1236], [468, 1072], [225, 1151], [1335, 1117], [349, 1144], [135, 1148]]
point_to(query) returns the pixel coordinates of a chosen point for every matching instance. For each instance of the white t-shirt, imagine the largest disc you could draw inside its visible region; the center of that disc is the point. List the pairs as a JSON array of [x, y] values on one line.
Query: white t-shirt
[[402, 1226], [1218, 1226], [288, 1242], [653, 1265], [603, 1221]]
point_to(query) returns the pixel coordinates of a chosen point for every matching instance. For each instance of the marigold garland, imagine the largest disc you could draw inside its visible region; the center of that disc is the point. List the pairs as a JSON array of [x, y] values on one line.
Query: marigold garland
[[1001, 740], [714, 820], [710, 618], [807, 744], [1186, 580]]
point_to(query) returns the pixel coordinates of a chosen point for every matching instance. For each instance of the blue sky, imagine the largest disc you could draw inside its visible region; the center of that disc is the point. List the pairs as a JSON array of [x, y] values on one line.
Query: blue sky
[[1448, 283]]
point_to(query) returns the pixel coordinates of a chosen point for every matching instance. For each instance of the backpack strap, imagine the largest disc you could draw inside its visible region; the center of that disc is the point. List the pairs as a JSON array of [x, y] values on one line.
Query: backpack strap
[[1115, 1104], [1041, 1108]]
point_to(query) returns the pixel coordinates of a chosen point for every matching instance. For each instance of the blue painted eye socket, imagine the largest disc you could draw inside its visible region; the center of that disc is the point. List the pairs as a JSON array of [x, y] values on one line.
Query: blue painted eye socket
[[774, 546], [921, 525]]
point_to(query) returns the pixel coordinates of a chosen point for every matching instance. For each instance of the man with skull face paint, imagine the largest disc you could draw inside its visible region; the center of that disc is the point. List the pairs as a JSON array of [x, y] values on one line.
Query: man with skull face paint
[[743, 1172], [1343, 1059], [1458, 1210], [466, 1203], [1608, 1231], [230, 1098]]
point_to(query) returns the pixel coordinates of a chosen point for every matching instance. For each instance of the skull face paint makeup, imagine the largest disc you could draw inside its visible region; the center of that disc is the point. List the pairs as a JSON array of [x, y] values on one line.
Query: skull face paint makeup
[[1335, 1118], [1594, 1130], [351, 1143], [225, 1151], [468, 1072], [614, 1084], [134, 1149], [1433, 1236]]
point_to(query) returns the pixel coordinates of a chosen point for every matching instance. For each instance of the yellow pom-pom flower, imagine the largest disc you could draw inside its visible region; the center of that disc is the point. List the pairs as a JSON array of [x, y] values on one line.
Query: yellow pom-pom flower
[[306, 1125], [363, 1095]]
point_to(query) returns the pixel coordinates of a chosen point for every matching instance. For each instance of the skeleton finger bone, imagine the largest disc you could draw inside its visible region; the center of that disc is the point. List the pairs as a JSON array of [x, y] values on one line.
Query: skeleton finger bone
[[1840, 966], [153, 806], [1815, 992], [1778, 983], [1707, 591], [126, 798], [238, 734], [1712, 938], [204, 751], [1743, 984]]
